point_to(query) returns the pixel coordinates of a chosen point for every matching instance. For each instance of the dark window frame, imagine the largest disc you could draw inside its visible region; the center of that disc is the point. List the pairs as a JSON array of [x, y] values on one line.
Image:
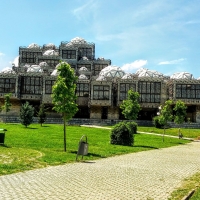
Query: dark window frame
[[98, 68], [123, 94], [31, 85], [48, 86], [7, 85], [150, 92], [29, 56], [69, 54], [101, 92], [82, 89], [188, 91]]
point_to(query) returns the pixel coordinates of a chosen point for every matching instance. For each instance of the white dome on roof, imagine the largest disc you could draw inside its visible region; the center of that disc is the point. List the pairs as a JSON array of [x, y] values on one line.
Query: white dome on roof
[[83, 77], [50, 45], [7, 70], [143, 72], [58, 65], [182, 75], [112, 71], [101, 78], [83, 69], [76, 40], [33, 46], [34, 68], [84, 58], [127, 76], [43, 64], [55, 72], [140, 70], [50, 52]]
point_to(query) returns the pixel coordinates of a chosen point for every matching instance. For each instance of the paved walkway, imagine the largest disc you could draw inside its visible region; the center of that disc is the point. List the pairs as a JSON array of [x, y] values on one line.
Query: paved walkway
[[150, 174]]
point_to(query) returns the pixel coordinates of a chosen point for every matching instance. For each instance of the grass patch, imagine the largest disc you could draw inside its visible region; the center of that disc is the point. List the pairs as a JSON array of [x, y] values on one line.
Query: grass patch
[[36, 146], [188, 185], [190, 133]]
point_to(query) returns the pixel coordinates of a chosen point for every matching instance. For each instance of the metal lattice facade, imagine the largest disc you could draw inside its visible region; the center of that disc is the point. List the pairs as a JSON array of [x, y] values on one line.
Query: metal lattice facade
[[101, 88]]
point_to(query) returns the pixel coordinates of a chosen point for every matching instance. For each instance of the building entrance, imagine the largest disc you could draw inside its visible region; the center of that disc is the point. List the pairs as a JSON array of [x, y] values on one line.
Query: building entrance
[[104, 113]]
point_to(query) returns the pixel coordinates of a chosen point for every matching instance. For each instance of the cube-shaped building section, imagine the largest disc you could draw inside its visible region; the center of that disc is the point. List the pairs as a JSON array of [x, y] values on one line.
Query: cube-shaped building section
[[100, 88]]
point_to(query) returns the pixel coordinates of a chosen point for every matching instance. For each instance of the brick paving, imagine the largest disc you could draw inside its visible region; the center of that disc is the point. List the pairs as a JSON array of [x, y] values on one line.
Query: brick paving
[[146, 175]]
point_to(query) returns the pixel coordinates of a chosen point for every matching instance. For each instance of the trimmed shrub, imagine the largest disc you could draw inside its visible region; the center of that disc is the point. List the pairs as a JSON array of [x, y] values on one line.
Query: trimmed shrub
[[157, 122], [123, 133], [132, 127]]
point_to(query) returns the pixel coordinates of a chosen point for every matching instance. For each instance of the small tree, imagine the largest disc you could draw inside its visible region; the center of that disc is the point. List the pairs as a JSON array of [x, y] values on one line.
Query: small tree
[[131, 107], [180, 114], [41, 114], [63, 96], [165, 115], [7, 104], [26, 114]]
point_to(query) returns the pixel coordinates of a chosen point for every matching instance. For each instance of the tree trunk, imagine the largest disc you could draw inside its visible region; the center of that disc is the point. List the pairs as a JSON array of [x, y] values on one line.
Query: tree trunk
[[64, 119], [163, 133]]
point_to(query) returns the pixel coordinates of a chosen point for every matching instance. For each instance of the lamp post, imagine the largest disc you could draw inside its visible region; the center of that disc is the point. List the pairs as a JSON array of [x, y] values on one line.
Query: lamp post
[[159, 113], [159, 110]]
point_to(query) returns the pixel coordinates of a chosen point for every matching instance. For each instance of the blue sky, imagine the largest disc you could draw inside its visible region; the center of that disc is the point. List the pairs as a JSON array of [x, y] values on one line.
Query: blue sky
[[162, 35]]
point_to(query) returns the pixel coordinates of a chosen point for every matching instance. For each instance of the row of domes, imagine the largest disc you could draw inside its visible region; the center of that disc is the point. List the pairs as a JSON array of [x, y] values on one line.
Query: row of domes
[[74, 41], [109, 72]]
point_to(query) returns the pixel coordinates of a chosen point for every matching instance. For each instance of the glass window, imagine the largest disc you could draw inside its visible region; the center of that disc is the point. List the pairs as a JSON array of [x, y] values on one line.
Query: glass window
[[7, 85], [189, 91], [124, 88], [48, 86], [149, 91], [31, 85], [101, 92], [82, 89]]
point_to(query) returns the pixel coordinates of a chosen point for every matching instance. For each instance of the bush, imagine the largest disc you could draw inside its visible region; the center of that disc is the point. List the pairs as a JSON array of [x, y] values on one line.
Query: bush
[[157, 122], [132, 127], [123, 133], [26, 114]]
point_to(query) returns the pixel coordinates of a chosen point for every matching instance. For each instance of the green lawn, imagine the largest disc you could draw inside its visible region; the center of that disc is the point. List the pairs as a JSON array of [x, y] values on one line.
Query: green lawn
[[190, 133], [36, 146]]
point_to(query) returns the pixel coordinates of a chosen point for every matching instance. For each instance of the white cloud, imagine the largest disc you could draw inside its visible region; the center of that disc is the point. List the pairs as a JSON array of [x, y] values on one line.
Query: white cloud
[[16, 61], [84, 11], [171, 62], [2, 54], [129, 67]]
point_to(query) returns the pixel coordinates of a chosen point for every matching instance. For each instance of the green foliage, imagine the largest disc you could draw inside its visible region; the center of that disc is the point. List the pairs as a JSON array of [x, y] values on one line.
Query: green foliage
[[131, 107], [7, 103], [123, 133], [180, 112], [166, 113], [26, 114], [41, 114], [157, 123], [63, 96], [132, 126]]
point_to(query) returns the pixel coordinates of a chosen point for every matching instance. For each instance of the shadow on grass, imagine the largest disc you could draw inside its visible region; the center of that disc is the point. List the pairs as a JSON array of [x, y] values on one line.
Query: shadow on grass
[[30, 128], [89, 154], [149, 147], [4, 145], [85, 161]]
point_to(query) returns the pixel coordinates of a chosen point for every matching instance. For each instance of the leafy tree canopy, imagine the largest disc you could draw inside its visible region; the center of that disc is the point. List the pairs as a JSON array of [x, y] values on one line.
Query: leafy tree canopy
[[180, 112], [64, 91], [131, 107], [26, 114], [166, 113]]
